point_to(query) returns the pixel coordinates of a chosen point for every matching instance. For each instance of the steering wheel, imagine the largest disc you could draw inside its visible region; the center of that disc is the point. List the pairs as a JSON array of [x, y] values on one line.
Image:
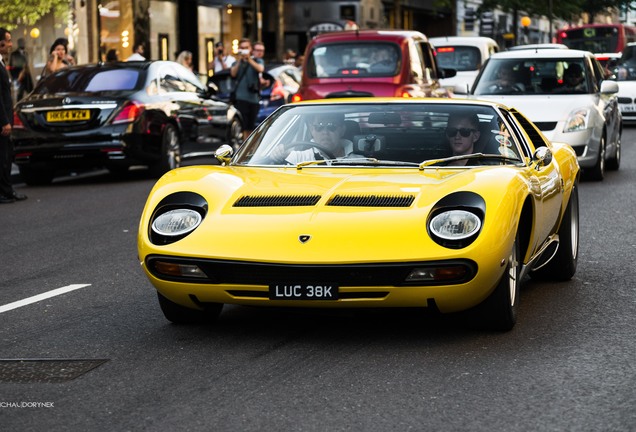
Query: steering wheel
[[514, 88], [304, 145]]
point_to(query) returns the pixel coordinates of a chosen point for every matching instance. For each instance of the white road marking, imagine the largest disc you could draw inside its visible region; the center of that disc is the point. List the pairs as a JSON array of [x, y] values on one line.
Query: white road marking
[[43, 296]]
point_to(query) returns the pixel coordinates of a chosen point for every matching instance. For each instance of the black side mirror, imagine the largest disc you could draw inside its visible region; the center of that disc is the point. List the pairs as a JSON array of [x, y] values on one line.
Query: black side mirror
[[447, 72]]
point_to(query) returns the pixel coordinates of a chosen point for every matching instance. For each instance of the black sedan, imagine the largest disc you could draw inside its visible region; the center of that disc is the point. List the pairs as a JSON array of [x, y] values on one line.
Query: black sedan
[[116, 115]]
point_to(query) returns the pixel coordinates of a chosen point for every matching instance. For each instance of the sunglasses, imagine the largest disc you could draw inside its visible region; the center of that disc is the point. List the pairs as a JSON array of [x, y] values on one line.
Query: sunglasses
[[319, 127], [451, 132]]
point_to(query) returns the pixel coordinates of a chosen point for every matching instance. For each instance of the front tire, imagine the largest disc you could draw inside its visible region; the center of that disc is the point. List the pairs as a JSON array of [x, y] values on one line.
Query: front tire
[[499, 311], [563, 265], [182, 315], [598, 172]]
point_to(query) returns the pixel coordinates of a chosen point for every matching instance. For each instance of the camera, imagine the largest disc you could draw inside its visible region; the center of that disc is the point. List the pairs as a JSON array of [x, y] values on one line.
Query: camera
[[244, 51]]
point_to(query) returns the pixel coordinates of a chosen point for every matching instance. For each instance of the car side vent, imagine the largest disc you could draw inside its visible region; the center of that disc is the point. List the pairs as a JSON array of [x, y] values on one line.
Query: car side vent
[[371, 200], [546, 126], [277, 201]]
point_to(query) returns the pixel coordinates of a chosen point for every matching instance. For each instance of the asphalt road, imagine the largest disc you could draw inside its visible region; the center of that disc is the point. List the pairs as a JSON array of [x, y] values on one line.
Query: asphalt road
[[102, 357]]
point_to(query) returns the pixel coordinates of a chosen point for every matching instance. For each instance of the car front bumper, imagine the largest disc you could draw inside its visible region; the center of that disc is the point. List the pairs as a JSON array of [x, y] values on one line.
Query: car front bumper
[[358, 285]]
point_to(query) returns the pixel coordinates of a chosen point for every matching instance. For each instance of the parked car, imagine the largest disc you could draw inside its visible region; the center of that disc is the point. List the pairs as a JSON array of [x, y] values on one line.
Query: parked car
[[625, 74], [115, 115], [371, 63], [284, 81], [587, 117], [395, 221], [464, 54]]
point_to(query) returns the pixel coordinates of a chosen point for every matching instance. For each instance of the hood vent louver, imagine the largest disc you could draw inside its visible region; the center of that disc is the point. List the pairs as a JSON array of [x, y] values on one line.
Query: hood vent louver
[[277, 201], [372, 200]]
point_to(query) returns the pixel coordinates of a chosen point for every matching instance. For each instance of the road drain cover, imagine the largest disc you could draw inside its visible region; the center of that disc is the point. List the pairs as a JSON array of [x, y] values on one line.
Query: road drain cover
[[45, 370]]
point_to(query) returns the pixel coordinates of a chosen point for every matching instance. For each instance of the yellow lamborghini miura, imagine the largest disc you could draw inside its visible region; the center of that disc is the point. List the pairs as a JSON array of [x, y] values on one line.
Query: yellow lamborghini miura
[[420, 203]]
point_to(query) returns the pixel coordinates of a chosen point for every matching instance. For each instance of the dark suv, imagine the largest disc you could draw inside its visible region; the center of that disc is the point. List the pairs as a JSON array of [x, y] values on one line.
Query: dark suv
[[367, 63]]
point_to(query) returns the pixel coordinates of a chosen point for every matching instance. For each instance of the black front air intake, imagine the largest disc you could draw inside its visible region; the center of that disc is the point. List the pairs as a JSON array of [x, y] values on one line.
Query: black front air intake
[[277, 201]]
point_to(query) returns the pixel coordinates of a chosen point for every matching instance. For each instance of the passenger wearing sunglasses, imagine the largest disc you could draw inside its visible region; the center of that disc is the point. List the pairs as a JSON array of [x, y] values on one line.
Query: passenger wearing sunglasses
[[327, 131], [462, 132]]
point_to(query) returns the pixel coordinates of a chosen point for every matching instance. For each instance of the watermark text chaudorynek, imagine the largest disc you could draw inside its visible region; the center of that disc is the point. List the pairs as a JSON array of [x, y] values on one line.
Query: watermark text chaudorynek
[[4, 404]]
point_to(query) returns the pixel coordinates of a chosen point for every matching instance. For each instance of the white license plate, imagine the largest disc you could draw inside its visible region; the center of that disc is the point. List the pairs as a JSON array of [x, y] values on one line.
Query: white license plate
[[303, 292], [628, 108]]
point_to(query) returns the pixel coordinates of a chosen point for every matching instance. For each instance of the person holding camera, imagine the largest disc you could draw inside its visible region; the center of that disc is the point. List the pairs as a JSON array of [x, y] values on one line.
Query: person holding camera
[[246, 73], [221, 61]]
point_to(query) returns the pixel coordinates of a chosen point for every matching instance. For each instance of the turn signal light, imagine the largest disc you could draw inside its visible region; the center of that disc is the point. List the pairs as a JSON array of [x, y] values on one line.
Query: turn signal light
[[178, 270], [437, 274], [17, 123], [129, 112]]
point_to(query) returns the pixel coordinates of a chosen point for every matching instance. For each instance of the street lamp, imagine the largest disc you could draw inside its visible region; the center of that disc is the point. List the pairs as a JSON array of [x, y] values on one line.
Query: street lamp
[[525, 23]]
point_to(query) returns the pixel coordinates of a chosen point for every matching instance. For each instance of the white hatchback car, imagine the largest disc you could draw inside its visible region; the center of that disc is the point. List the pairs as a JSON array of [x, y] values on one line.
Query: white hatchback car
[[625, 73], [565, 93], [466, 55]]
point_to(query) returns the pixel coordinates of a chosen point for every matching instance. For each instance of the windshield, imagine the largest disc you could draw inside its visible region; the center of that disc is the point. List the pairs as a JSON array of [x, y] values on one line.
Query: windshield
[[386, 134], [89, 80], [535, 77], [594, 39], [353, 60], [460, 58], [625, 70]]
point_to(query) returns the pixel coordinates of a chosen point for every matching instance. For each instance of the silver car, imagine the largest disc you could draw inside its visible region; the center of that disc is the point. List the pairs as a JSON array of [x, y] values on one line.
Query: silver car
[[584, 114]]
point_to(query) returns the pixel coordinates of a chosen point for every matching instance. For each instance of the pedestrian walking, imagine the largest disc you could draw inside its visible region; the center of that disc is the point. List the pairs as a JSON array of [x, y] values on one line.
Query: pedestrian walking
[[7, 194], [246, 73], [21, 70]]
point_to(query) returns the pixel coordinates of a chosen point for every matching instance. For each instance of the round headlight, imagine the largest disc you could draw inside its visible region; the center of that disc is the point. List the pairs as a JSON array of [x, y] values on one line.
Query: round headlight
[[176, 222], [455, 224]]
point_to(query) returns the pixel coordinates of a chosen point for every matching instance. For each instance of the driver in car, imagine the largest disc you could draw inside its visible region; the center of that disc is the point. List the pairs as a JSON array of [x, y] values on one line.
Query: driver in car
[[506, 79], [327, 131]]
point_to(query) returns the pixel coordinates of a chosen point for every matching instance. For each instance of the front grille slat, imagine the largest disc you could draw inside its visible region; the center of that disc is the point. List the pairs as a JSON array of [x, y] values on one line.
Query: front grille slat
[[371, 200], [336, 201], [277, 201]]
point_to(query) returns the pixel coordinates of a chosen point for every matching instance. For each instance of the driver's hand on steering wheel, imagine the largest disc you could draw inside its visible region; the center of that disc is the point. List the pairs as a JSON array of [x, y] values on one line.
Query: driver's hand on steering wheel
[[278, 154]]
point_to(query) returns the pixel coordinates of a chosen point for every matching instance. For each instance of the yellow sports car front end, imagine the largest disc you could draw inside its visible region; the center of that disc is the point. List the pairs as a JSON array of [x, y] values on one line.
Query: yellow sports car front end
[[358, 235]]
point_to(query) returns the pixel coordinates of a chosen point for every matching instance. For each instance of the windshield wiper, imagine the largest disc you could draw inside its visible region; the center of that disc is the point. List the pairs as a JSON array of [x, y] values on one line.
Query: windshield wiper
[[430, 162], [355, 161]]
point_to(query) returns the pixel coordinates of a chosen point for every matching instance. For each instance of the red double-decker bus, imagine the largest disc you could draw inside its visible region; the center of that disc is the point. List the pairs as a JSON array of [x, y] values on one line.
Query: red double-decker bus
[[597, 38]]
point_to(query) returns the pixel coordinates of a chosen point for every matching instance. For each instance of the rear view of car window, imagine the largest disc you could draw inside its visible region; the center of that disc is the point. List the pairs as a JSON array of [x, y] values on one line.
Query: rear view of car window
[[95, 79], [461, 58], [122, 79], [354, 60]]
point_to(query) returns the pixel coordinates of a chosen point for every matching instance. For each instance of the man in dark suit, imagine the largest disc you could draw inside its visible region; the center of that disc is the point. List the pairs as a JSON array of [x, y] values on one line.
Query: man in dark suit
[[7, 194]]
